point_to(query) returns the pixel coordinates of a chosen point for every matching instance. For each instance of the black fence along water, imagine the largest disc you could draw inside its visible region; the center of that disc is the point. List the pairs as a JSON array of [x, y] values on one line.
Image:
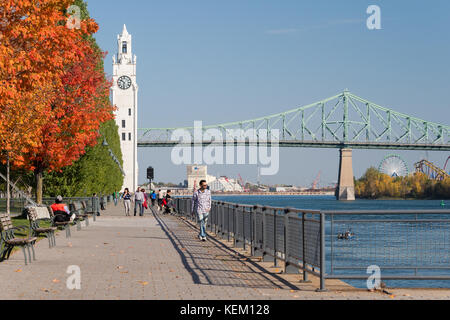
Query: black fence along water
[[337, 244]]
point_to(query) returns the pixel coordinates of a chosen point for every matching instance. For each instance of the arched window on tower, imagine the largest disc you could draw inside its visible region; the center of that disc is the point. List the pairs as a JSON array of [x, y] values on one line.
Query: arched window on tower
[[124, 47]]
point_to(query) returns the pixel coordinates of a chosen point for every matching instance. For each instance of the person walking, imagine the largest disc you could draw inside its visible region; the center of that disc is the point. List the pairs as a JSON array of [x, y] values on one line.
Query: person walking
[[201, 206], [160, 199], [127, 201], [153, 198], [139, 199], [169, 202], [145, 204]]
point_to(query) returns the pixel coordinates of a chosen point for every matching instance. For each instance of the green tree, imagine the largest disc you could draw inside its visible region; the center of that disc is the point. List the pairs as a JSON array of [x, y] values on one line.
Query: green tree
[[94, 172]]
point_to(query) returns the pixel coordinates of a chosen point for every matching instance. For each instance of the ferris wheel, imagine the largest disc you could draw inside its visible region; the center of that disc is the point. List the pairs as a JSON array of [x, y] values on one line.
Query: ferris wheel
[[394, 166]]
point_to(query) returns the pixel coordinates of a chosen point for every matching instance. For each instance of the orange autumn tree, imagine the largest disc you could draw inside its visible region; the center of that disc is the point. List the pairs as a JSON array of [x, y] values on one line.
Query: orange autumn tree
[[75, 117], [36, 49]]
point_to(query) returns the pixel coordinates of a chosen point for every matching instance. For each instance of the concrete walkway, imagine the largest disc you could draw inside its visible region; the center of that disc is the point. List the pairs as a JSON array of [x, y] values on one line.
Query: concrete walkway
[[159, 257]]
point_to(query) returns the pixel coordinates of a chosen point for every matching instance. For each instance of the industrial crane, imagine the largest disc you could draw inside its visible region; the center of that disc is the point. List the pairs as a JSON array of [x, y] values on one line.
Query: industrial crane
[[242, 183], [316, 182]]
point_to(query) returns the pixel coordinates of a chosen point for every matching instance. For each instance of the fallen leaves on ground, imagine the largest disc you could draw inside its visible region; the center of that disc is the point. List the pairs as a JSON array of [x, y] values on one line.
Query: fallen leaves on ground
[[144, 283], [56, 281], [18, 270]]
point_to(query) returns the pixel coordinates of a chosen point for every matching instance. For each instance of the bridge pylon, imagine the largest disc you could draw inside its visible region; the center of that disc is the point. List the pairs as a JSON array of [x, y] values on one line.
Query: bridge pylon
[[346, 184]]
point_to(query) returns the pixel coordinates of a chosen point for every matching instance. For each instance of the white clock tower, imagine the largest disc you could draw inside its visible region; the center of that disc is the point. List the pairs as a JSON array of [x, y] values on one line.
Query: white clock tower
[[125, 97]]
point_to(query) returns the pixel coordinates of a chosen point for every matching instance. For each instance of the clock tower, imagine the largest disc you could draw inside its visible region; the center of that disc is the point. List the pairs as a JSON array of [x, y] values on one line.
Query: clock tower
[[124, 93]]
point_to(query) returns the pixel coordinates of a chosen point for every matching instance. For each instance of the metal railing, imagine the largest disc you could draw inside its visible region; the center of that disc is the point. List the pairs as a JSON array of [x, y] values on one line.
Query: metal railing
[[411, 245], [405, 245]]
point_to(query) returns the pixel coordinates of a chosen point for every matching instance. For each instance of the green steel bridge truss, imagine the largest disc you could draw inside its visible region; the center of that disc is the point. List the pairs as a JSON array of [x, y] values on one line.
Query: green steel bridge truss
[[342, 121]]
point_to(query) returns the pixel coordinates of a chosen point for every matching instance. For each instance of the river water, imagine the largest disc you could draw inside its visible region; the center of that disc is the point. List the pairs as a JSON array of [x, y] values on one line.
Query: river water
[[383, 244]]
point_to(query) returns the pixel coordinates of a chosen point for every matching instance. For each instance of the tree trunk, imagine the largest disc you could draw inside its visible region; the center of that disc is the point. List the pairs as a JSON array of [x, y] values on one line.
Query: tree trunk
[[39, 176], [8, 192]]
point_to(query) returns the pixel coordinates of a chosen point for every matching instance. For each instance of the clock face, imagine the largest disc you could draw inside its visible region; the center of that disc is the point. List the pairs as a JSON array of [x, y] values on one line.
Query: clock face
[[124, 82]]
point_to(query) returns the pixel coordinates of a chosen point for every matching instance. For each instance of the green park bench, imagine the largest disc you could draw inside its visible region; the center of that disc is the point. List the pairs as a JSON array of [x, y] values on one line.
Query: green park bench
[[36, 215], [91, 207], [81, 215], [9, 240]]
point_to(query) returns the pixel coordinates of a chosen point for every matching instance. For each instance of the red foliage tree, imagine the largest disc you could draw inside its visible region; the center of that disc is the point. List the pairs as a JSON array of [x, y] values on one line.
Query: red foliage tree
[[74, 118], [51, 89]]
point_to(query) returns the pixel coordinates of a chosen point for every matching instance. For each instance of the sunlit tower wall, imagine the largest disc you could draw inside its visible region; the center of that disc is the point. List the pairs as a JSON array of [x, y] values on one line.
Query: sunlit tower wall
[[124, 92]]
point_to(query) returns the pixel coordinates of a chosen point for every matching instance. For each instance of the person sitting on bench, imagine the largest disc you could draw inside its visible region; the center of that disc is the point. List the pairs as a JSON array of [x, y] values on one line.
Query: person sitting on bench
[[61, 211]]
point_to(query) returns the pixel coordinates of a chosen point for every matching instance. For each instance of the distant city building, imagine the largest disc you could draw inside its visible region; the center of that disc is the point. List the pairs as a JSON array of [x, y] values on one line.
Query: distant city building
[[195, 174], [223, 184]]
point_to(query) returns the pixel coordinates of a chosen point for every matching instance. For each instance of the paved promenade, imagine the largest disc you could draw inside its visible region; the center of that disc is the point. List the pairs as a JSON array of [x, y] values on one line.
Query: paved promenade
[[159, 257]]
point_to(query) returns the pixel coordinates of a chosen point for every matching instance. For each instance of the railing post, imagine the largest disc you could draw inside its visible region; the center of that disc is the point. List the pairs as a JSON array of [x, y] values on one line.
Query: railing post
[[288, 267], [285, 235], [305, 273], [275, 260], [220, 232], [322, 254], [252, 231], [236, 242], [216, 221], [257, 252], [266, 257], [222, 227], [332, 243], [243, 227], [229, 224], [234, 225]]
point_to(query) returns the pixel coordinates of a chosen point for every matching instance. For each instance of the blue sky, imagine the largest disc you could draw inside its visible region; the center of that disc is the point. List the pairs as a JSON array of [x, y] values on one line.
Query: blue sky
[[221, 61]]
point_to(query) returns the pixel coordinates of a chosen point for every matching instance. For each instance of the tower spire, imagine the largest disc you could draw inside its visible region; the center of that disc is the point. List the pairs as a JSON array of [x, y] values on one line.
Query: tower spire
[[124, 31]]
